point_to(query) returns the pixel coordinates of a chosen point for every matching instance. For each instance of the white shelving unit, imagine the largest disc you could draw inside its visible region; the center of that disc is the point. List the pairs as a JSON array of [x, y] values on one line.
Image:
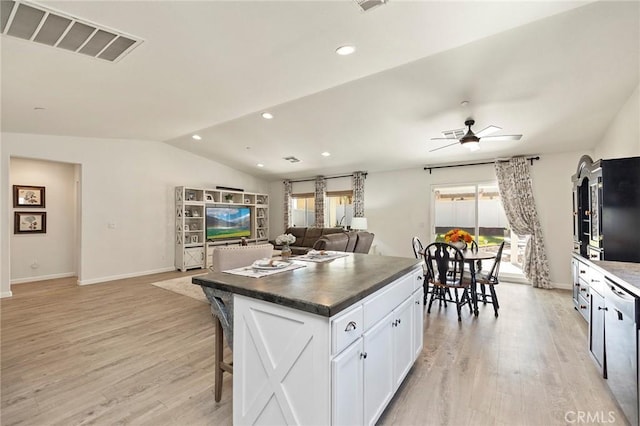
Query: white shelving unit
[[192, 250]]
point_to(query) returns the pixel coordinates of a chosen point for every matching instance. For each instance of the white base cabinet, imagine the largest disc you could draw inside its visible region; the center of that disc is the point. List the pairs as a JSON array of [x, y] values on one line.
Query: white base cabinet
[[294, 367]]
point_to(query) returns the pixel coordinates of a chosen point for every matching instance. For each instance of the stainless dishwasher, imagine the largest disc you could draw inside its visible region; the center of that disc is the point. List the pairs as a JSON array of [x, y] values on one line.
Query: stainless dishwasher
[[621, 347]]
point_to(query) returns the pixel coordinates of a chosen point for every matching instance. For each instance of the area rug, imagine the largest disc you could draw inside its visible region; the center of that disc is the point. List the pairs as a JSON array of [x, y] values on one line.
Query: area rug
[[183, 285]]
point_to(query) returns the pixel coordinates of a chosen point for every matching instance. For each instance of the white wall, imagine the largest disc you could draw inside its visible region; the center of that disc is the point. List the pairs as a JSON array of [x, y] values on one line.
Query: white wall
[[398, 206], [52, 254], [125, 182], [622, 138]]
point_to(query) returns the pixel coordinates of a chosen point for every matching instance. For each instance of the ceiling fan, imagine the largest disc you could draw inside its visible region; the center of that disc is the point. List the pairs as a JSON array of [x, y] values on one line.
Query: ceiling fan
[[472, 140]]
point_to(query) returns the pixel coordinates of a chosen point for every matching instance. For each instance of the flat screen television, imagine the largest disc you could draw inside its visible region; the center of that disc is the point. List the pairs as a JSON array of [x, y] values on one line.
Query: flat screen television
[[228, 222]]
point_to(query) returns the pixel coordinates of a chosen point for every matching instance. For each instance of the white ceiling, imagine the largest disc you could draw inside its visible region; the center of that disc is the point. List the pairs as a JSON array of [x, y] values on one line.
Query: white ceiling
[[556, 72]]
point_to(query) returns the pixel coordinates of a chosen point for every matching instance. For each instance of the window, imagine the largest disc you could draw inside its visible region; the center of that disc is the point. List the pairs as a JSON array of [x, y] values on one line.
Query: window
[[338, 208], [303, 210], [477, 208]]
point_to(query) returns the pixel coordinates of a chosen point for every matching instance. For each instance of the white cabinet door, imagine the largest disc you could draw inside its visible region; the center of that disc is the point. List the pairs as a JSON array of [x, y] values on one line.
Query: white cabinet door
[[378, 369], [347, 395], [402, 341], [418, 318], [193, 257]]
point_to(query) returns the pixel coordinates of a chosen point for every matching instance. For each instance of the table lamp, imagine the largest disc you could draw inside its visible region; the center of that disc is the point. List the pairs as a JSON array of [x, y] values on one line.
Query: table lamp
[[359, 223]]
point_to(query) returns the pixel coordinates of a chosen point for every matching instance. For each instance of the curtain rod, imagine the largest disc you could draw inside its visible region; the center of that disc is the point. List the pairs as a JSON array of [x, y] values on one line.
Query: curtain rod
[[327, 177], [531, 159]]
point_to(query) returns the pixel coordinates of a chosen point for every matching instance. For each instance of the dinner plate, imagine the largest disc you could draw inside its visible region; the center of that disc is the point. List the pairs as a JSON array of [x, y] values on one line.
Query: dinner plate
[[314, 253], [264, 265]]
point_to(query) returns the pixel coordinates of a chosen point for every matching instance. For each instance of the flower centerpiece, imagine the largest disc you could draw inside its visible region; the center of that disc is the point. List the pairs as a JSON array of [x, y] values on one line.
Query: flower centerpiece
[[458, 238], [285, 240]]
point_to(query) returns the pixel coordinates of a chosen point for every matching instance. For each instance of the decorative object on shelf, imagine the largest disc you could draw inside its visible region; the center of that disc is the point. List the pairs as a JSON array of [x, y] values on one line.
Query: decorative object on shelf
[[194, 239], [228, 198], [458, 238], [285, 240], [186, 227], [195, 213], [28, 196], [30, 223], [247, 201], [209, 197]]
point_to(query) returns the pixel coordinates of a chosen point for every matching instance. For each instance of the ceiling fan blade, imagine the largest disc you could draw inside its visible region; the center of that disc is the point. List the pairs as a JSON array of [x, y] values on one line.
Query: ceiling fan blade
[[451, 144], [488, 131], [444, 139], [503, 138]]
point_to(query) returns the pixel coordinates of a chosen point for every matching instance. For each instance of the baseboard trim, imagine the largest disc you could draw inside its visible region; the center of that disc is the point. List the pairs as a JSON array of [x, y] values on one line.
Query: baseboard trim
[[42, 278], [6, 294], [123, 276]]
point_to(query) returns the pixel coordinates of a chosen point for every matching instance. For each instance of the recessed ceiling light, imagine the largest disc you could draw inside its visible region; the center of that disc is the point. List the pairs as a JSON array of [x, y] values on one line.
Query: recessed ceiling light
[[325, 154], [267, 115], [197, 137], [345, 50], [260, 165]]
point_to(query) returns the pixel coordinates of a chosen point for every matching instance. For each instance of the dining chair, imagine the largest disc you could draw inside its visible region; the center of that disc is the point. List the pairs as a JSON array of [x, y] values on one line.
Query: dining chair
[[223, 259], [491, 280], [445, 265], [418, 252]]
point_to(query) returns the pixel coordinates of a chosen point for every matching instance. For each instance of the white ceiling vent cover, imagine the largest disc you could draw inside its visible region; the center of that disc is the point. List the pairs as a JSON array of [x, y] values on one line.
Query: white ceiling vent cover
[[366, 5], [454, 134], [30, 21]]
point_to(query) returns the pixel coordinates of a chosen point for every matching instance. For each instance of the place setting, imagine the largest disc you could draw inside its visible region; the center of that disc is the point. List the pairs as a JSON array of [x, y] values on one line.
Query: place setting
[[321, 256], [265, 267]]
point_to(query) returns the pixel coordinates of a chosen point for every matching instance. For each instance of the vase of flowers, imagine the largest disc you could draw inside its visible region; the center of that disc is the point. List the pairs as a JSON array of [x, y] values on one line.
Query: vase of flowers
[[458, 238], [285, 240]]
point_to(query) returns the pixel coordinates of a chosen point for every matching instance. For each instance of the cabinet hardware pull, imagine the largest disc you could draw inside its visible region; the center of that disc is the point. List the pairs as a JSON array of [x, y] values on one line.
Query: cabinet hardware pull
[[363, 355], [351, 326], [583, 271], [577, 284], [583, 289], [399, 321], [600, 308], [417, 302], [583, 307], [419, 277]]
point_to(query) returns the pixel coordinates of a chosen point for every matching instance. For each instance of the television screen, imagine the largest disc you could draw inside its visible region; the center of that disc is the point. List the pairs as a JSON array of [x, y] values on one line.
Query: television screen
[[228, 222]]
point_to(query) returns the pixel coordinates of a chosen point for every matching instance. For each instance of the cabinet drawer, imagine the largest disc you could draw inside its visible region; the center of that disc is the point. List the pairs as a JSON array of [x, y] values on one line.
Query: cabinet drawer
[[346, 329], [376, 308], [583, 306]]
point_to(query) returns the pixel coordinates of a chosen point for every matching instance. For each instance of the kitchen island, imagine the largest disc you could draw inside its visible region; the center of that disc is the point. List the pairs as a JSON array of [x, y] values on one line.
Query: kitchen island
[[328, 343]]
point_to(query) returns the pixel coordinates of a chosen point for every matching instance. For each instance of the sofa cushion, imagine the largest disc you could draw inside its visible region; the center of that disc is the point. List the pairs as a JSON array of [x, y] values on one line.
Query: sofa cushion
[[364, 241], [351, 244], [334, 242], [310, 237]]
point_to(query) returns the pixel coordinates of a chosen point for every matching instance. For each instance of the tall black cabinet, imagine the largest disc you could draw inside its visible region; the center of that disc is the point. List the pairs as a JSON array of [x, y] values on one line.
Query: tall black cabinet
[[606, 209]]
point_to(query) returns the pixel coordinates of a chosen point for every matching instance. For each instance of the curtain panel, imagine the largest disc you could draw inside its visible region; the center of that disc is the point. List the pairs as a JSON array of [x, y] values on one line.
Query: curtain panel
[[358, 194], [287, 203], [514, 182], [320, 198]]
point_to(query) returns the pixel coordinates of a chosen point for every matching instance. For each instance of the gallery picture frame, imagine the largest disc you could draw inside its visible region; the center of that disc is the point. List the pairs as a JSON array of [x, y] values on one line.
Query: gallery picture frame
[[30, 223], [28, 196]]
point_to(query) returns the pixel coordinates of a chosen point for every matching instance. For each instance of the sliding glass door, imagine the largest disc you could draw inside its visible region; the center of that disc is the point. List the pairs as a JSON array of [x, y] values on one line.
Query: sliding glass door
[[477, 208]]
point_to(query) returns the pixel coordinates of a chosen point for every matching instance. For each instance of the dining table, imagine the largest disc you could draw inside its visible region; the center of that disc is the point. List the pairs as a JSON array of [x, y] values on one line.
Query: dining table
[[471, 258]]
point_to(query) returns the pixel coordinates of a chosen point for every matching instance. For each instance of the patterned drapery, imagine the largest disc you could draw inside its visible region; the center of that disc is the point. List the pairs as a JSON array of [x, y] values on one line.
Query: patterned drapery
[[358, 194], [514, 182], [287, 203], [320, 197]]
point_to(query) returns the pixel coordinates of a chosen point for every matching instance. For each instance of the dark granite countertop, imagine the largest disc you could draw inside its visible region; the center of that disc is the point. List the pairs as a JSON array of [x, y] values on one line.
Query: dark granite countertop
[[320, 288]]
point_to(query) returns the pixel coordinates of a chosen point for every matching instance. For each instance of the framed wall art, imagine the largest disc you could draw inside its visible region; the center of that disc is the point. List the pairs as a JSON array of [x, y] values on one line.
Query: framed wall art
[[30, 223], [28, 196]]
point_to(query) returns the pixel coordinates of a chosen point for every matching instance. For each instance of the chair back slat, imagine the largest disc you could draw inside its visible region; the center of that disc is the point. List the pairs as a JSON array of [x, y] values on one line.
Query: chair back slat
[[445, 263]]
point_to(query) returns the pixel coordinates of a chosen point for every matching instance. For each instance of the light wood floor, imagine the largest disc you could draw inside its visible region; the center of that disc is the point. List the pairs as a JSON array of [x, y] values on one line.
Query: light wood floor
[[128, 352]]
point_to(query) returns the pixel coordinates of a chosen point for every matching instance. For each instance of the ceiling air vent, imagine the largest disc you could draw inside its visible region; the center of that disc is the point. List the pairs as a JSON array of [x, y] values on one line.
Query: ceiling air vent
[[366, 5], [291, 159], [454, 134], [33, 22]]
